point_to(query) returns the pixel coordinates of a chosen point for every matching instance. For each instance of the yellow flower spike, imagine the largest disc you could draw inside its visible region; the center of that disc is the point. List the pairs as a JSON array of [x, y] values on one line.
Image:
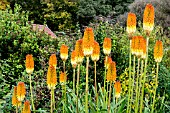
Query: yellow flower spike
[[15, 101], [109, 60], [21, 91], [131, 23], [79, 51], [88, 40], [96, 51], [53, 60], [64, 52], [158, 51], [117, 87], [111, 73], [148, 18], [73, 59], [144, 49], [51, 77], [107, 44], [26, 108], [29, 63], [63, 78]]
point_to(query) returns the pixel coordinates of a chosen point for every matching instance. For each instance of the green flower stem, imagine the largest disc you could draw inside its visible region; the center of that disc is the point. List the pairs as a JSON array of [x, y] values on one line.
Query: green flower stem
[[107, 90], [104, 97], [64, 95], [95, 85], [130, 79], [109, 96], [95, 82], [141, 78], [137, 87], [74, 72], [156, 85], [64, 86], [113, 98], [20, 107], [32, 100], [86, 98], [133, 81], [115, 104], [65, 98], [97, 103], [17, 108], [105, 73], [144, 75], [51, 101], [78, 74], [53, 98], [64, 66]]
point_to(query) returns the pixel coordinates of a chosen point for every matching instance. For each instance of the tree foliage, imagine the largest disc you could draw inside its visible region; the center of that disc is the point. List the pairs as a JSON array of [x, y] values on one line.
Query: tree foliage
[[3, 4], [89, 9], [58, 14], [65, 14]]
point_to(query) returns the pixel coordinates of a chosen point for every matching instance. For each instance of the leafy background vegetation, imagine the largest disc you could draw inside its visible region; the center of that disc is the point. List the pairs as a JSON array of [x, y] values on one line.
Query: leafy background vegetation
[[107, 17]]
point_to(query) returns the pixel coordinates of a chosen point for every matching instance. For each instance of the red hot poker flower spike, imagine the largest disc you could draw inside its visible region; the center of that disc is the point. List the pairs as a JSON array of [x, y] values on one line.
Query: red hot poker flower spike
[[148, 18], [158, 51], [21, 91], [131, 23], [29, 63], [107, 44], [96, 51]]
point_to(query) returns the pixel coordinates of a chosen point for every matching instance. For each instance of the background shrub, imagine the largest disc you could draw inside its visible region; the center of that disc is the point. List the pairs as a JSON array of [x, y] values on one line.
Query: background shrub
[[58, 14], [63, 15], [162, 17], [16, 40]]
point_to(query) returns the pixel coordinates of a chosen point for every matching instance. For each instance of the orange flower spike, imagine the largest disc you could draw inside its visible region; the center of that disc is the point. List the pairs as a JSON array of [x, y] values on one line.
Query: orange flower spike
[[73, 59], [113, 67], [21, 91], [88, 40], [111, 73], [108, 75], [117, 87], [64, 52], [53, 60], [131, 23], [15, 101], [63, 77], [107, 44], [134, 45], [109, 60], [148, 18], [26, 108], [79, 51], [96, 51], [139, 49], [158, 51], [144, 49], [51, 77], [29, 63]]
